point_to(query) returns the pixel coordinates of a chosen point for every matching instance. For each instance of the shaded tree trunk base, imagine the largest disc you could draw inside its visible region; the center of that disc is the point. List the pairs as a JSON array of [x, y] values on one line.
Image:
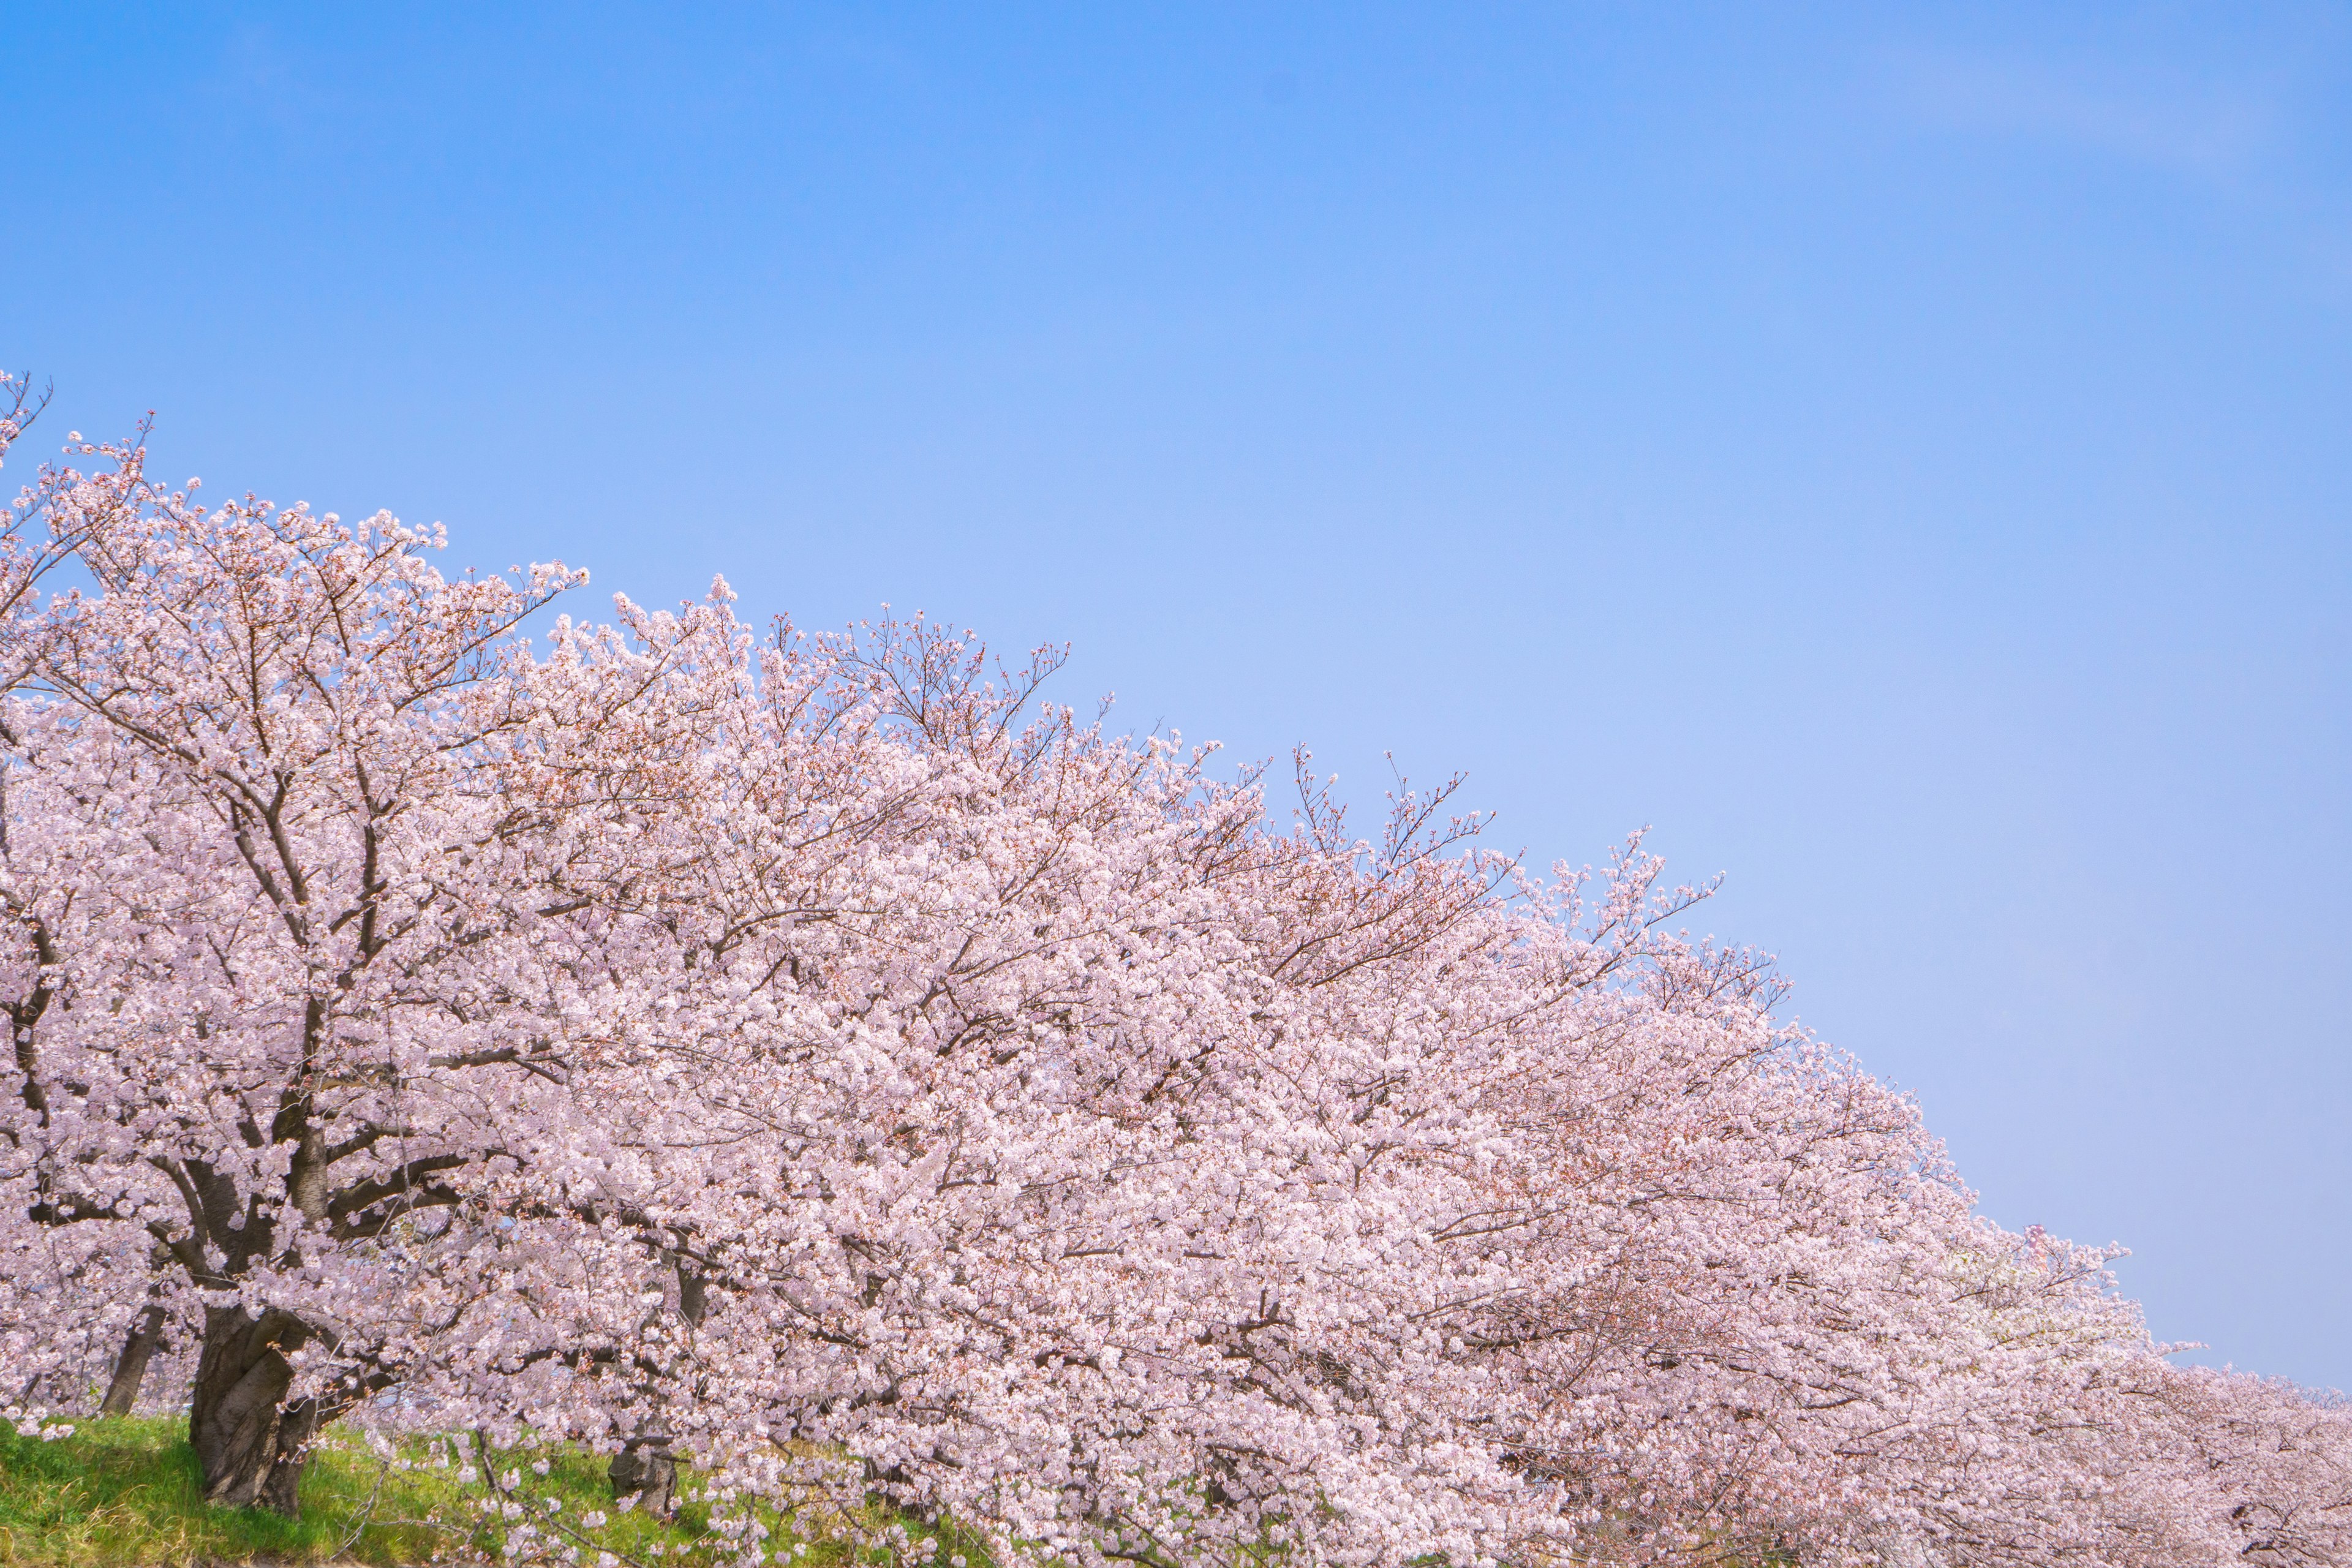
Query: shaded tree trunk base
[[250, 1440], [646, 1467]]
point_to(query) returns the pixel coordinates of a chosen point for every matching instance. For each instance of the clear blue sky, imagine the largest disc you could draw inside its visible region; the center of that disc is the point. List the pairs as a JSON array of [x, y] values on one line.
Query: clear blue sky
[[1907, 460]]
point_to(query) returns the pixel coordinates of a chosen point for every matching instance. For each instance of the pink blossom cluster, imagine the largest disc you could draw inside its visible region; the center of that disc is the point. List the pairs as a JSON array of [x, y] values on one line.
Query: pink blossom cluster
[[819, 1056]]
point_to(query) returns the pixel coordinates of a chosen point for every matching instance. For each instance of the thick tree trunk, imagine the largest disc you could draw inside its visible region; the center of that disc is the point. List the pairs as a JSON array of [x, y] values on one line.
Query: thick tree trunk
[[250, 1441], [131, 1366]]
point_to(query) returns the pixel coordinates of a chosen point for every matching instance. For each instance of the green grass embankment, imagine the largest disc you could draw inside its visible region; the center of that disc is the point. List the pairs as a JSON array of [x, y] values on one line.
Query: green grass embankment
[[123, 1493]]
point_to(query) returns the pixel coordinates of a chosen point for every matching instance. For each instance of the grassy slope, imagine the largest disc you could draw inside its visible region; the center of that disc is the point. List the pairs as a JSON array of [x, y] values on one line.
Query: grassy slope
[[124, 1492]]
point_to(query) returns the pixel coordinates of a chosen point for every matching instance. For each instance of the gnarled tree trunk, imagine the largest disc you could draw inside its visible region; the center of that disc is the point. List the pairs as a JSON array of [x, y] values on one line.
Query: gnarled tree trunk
[[250, 1440]]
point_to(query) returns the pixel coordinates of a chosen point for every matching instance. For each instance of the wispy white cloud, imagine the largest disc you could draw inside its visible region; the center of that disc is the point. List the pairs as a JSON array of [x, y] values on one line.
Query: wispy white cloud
[[2212, 130]]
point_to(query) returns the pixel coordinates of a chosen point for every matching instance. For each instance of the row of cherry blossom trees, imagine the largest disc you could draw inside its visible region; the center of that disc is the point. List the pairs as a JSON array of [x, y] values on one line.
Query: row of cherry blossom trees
[[818, 1057]]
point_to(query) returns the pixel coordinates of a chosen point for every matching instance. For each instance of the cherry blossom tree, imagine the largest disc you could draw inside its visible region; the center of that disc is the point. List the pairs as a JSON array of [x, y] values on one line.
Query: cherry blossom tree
[[262, 877]]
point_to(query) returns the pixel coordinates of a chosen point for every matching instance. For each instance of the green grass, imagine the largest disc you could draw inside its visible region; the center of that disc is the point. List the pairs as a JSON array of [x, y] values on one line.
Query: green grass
[[123, 1493]]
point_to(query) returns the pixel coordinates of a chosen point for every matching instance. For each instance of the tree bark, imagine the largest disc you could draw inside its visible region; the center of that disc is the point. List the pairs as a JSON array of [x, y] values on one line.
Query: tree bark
[[250, 1440], [131, 1366]]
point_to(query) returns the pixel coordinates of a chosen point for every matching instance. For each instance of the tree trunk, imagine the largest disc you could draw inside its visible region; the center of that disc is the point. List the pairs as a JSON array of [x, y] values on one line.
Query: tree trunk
[[250, 1441], [645, 1466], [131, 1366]]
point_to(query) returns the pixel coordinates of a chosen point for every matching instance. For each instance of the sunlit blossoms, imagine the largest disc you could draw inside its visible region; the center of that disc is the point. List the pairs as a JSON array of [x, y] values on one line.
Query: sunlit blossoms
[[821, 1057]]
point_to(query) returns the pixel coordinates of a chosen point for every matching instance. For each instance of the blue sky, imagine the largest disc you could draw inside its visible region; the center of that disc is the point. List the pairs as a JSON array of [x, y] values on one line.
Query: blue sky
[[1904, 456]]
